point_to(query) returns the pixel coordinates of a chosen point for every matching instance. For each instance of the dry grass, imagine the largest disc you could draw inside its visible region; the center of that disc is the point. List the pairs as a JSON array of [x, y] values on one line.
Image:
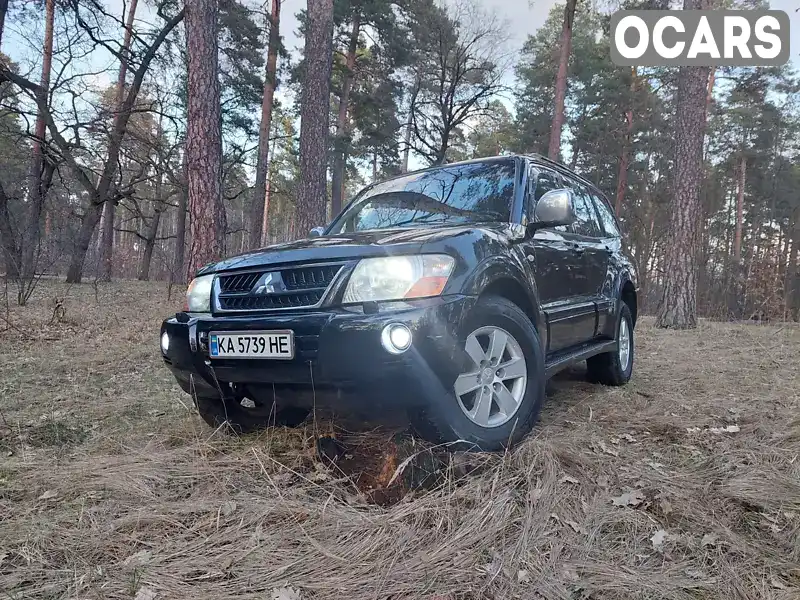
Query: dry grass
[[111, 487]]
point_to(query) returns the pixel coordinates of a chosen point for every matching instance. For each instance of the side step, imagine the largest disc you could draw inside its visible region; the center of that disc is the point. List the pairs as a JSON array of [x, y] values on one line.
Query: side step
[[564, 358]]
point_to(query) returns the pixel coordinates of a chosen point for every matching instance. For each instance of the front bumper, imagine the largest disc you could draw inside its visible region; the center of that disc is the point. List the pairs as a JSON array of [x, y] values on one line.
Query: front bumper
[[334, 348]]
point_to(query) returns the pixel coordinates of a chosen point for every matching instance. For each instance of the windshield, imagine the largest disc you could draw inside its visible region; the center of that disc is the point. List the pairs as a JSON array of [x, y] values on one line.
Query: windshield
[[469, 193]]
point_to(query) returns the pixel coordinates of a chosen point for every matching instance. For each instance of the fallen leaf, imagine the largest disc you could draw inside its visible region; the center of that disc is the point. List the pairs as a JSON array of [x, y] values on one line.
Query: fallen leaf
[[658, 539], [728, 429], [696, 573], [634, 498], [138, 559], [575, 527], [777, 583], [628, 437], [693, 430], [602, 481], [228, 508], [666, 507], [604, 447], [536, 494], [49, 495], [568, 479], [286, 593], [523, 576], [319, 476], [709, 539], [145, 593]]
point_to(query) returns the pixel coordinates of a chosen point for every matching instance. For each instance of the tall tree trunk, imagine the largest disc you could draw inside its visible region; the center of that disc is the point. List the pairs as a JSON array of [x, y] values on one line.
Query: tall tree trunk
[[267, 191], [149, 244], [204, 136], [36, 193], [792, 281], [8, 239], [91, 217], [3, 9], [741, 173], [107, 230], [678, 306], [315, 118], [342, 143], [259, 208], [622, 176], [554, 149], [178, 270], [159, 206], [409, 124]]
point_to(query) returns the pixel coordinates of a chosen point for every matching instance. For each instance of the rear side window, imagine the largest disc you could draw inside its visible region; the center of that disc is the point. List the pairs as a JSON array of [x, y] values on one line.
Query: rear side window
[[606, 217]]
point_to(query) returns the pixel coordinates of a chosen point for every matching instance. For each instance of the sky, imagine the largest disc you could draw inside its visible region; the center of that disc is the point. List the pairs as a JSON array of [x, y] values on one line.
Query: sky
[[523, 18]]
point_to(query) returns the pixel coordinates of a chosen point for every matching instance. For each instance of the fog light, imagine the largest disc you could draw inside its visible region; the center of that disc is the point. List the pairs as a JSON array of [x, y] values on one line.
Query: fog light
[[164, 342], [396, 338]]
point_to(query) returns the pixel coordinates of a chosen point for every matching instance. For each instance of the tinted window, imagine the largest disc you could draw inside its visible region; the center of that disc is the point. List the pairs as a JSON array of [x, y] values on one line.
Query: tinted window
[[585, 217], [606, 217], [545, 181], [467, 193]]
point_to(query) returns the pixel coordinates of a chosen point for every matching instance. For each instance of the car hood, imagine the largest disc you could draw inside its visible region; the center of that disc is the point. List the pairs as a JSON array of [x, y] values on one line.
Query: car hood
[[362, 244]]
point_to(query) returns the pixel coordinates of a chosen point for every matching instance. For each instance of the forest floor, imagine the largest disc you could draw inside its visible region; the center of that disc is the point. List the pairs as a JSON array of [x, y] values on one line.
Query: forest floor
[[685, 484]]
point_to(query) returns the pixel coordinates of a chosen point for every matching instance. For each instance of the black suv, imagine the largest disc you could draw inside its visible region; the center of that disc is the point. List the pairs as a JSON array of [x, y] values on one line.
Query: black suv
[[453, 292]]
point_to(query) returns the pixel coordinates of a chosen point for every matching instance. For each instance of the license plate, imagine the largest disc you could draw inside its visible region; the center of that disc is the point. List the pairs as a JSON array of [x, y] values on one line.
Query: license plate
[[252, 344]]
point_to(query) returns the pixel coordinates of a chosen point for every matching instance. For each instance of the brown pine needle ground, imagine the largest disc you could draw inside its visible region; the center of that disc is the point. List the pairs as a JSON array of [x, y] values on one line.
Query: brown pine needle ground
[[110, 486]]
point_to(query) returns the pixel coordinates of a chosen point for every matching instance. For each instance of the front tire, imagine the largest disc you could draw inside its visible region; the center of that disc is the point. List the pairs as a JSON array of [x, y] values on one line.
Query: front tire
[[493, 393], [615, 367]]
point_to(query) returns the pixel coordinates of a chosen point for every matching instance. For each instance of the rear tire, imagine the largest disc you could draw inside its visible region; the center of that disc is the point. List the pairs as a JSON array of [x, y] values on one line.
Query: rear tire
[[446, 418], [241, 419], [613, 368]]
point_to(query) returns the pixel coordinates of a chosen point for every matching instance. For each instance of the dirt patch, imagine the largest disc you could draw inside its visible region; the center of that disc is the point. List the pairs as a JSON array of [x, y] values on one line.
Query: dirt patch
[[684, 484]]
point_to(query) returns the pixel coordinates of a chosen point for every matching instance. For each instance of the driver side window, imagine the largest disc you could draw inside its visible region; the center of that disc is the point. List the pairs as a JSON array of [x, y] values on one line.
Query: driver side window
[[542, 181]]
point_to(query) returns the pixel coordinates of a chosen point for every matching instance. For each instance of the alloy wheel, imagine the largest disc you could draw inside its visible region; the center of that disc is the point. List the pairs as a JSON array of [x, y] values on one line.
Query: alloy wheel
[[491, 391]]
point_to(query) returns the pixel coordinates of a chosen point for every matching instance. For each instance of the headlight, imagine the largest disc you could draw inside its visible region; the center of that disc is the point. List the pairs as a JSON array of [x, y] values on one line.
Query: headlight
[[198, 295], [398, 277]]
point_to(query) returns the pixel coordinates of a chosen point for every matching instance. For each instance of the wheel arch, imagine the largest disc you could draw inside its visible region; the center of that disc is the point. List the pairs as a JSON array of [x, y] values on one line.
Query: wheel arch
[[628, 295], [501, 277]]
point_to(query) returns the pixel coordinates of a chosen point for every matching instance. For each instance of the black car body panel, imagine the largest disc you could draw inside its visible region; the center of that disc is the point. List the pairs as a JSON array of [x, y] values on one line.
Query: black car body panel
[[569, 281]]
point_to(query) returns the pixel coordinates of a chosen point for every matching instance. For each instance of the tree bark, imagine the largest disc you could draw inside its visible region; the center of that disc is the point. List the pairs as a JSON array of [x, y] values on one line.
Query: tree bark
[[36, 193], [678, 306], [207, 222], [267, 191], [107, 229], [178, 271], [741, 173], [315, 118], [622, 176], [409, 124], [3, 9], [8, 239], [792, 281], [259, 207], [554, 149], [342, 124]]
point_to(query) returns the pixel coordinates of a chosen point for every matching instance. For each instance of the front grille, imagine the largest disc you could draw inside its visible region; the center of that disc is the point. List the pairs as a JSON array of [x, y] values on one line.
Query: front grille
[[302, 287], [304, 278], [243, 282]]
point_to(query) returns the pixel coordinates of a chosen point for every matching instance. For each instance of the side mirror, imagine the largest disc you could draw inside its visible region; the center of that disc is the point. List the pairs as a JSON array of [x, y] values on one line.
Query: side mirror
[[316, 232], [553, 209]]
